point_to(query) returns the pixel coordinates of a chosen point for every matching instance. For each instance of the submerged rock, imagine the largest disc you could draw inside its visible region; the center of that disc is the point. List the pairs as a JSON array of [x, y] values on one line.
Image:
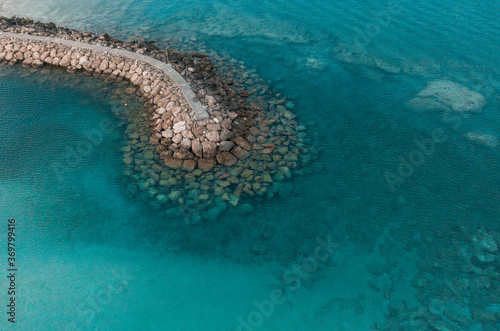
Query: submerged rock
[[214, 213], [174, 195], [173, 163], [482, 138], [226, 158], [444, 95], [195, 218], [244, 209], [206, 164], [209, 148], [189, 165]]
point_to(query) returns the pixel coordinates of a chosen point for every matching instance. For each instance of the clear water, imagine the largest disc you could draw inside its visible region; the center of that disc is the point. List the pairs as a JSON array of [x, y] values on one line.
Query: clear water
[[93, 258]]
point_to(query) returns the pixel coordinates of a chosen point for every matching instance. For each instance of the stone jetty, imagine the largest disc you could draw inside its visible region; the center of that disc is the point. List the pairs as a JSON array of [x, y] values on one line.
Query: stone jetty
[[202, 146]]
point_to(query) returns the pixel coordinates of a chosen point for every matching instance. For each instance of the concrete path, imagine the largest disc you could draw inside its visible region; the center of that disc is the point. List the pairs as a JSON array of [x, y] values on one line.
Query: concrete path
[[195, 103]]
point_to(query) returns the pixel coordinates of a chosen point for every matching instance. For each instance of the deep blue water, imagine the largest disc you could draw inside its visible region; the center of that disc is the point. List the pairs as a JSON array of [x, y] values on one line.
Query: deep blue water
[[417, 257]]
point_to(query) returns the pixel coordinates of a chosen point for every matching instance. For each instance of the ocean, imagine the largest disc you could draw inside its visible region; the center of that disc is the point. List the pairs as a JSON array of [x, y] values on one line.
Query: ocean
[[393, 227]]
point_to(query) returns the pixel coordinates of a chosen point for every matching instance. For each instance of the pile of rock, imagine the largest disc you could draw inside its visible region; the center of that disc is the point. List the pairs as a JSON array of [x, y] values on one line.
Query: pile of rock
[[175, 125], [197, 69], [242, 148]]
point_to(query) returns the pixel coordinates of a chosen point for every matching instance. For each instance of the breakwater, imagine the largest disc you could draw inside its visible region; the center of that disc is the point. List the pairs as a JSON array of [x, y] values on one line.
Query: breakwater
[[204, 146]]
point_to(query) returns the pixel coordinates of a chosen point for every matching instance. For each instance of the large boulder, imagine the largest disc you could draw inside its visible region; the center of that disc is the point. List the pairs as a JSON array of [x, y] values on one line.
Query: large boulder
[[188, 165], [240, 153], [65, 61], [213, 136], [242, 142], [226, 145], [183, 154], [209, 148], [197, 148], [179, 127], [173, 163], [226, 158], [206, 164]]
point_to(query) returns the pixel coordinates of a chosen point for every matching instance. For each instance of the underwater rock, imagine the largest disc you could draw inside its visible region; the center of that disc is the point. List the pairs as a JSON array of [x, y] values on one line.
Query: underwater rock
[[247, 174], [226, 145], [188, 165], [242, 142], [436, 306], [240, 153], [148, 155], [484, 246], [226, 158], [182, 154], [485, 258], [443, 94], [127, 160], [196, 218], [214, 213], [282, 150], [174, 195], [244, 209], [267, 178], [484, 241], [269, 148], [233, 200], [484, 139], [289, 115], [173, 163], [130, 90], [179, 127], [206, 164], [385, 66]]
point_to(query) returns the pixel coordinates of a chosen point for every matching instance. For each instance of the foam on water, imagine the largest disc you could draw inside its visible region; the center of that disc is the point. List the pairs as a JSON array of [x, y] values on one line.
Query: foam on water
[[414, 245]]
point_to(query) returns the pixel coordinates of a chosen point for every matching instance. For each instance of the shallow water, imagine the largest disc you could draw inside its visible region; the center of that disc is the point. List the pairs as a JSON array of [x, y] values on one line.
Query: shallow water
[[93, 257]]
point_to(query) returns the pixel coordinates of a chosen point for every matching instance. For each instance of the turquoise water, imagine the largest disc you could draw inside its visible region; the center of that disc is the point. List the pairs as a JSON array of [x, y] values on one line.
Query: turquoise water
[[416, 257]]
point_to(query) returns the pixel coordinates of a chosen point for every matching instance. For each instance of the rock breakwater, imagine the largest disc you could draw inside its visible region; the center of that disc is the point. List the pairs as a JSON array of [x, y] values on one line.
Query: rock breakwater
[[194, 160]]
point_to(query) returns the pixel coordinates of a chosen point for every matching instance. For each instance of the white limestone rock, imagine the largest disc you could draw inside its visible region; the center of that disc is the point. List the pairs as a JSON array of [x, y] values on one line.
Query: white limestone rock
[[179, 127], [167, 134]]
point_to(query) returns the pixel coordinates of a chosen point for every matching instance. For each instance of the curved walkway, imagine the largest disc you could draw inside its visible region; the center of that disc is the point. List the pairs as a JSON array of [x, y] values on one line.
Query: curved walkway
[[191, 98]]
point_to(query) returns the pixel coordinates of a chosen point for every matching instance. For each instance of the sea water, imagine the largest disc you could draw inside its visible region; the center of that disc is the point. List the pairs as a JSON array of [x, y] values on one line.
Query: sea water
[[414, 256]]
